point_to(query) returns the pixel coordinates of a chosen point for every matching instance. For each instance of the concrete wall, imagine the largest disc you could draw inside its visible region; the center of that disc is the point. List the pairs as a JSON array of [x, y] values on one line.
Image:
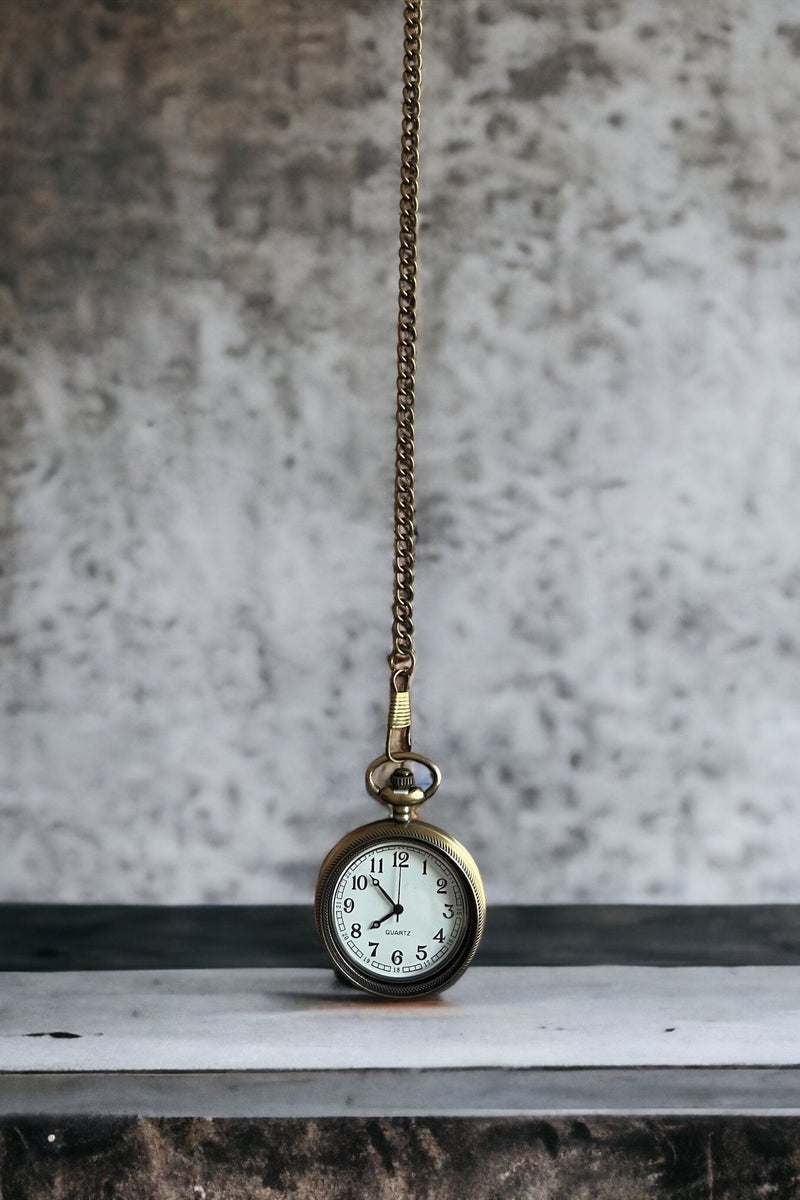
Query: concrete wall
[[197, 308]]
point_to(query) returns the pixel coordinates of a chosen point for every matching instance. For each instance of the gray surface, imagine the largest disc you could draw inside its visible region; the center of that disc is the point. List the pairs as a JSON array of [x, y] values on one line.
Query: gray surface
[[199, 241], [504, 1041], [299, 1019]]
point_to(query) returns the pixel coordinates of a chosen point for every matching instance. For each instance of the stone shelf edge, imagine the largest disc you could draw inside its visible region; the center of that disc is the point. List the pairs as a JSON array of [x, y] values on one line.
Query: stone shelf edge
[[479, 1092]]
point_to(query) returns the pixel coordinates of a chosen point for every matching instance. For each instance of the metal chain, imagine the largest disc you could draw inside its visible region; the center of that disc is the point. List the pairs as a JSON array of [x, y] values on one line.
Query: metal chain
[[401, 659]]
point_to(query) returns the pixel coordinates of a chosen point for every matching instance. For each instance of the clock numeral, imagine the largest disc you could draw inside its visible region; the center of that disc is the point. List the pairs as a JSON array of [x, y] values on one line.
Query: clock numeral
[[360, 883], [441, 886], [349, 904], [439, 937], [355, 930], [373, 949], [400, 858], [379, 869], [448, 916], [397, 957], [422, 953], [424, 866]]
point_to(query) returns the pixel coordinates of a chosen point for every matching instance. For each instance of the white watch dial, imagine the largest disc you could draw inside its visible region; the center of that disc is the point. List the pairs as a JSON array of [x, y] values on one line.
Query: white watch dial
[[399, 910]]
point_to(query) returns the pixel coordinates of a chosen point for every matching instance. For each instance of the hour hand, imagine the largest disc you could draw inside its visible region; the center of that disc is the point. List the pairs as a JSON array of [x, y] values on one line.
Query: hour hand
[[377, 924]]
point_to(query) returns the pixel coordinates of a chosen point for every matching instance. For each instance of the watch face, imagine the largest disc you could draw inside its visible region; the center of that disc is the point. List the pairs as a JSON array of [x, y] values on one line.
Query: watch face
[[399, 912]]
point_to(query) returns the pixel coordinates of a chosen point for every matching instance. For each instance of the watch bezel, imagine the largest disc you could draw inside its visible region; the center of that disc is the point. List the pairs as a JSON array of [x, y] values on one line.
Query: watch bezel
[[463, 865]]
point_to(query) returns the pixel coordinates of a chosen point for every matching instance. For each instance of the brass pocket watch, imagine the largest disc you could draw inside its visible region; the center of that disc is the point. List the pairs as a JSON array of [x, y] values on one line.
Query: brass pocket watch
[[399, 904]]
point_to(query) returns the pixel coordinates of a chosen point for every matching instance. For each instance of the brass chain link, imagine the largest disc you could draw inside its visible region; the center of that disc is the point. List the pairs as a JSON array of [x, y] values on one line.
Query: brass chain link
[[401, 659]]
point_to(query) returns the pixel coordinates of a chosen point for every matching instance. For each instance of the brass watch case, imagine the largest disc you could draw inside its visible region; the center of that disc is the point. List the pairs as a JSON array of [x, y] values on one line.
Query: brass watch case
[[463, 865]]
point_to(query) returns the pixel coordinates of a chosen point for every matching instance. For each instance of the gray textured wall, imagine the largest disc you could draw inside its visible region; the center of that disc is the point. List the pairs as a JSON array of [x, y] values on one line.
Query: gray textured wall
[[197, 323]]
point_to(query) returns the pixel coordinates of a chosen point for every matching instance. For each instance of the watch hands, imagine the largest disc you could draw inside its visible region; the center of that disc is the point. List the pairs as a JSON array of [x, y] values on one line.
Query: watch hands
[[395, 909], [398, 908], [377, 924], [381, 889]]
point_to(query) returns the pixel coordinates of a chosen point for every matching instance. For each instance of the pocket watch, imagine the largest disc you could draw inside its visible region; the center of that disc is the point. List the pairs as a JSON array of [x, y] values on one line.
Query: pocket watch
[[399, 904]]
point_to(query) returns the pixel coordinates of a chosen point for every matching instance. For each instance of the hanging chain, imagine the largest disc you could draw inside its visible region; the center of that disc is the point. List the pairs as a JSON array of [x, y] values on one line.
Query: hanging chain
[[401, 659]]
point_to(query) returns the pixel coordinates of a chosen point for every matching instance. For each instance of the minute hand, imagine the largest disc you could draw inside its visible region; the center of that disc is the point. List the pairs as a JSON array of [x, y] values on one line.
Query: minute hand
[[383, 890]]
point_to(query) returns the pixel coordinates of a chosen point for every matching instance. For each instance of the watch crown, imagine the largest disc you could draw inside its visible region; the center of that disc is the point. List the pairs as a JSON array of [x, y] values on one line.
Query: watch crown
[[402, 780]]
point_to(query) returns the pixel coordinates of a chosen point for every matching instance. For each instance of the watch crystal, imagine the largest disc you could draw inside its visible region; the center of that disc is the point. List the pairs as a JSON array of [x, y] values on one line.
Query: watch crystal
[[399, 910]]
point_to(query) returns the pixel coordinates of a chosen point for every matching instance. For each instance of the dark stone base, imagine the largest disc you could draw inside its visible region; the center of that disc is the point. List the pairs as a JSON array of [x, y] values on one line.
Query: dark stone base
[[431, 1159]]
